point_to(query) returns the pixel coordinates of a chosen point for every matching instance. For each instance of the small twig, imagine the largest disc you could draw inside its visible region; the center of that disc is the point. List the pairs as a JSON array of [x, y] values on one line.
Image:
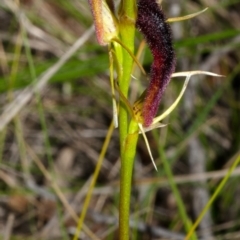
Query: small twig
[[9, 226]]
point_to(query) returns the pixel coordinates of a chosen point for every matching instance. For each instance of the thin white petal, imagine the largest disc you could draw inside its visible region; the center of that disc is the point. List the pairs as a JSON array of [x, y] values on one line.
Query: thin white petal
[[188, 76], [177, 19], [154, 126], [115, 112], [196, 72], [171, 108], [147, 144]]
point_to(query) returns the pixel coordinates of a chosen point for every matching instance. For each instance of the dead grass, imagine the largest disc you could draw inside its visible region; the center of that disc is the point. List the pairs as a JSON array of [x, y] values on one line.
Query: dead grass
[[48, 157]]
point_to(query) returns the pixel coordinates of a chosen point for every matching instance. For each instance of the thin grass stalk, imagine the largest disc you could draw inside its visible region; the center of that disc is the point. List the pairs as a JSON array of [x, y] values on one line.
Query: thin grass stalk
[[3, 134], [12, 78], [39, 103], [213, 197], [182, 210], [93, 181], [59, 192], [17, 122]]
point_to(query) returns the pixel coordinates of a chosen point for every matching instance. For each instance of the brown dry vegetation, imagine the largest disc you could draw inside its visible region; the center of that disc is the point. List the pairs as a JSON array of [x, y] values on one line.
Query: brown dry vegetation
[[50, 144]]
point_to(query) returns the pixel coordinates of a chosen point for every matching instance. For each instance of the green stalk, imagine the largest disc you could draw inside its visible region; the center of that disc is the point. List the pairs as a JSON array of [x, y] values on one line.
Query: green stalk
[[127, 163], [181, 208], [127, 15], [128, 132]]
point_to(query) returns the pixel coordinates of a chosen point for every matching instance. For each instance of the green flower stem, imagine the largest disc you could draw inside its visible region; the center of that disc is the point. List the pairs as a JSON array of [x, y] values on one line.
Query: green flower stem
[[128, 132], [127, 164], [127, 15]]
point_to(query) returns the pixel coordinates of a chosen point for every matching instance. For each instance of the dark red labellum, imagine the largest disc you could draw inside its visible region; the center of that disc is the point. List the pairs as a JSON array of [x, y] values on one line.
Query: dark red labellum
[[152, 23]]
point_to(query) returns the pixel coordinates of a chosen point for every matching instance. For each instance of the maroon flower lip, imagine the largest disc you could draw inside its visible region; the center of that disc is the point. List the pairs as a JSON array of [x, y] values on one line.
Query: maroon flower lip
[[152, 23]]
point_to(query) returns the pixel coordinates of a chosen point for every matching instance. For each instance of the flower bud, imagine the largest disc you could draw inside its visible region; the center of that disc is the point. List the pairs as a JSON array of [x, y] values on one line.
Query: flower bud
[[106, 25]]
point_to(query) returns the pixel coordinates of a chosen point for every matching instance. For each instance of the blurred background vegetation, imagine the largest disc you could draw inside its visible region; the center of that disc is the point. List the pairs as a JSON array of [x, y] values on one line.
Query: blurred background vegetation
[[49, 146]]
